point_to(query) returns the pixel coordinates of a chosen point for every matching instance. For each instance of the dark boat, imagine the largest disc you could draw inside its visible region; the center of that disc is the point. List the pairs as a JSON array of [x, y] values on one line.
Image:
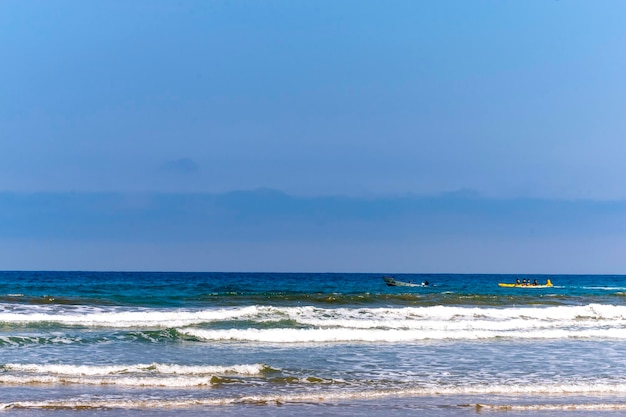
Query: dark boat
[[392, 282]]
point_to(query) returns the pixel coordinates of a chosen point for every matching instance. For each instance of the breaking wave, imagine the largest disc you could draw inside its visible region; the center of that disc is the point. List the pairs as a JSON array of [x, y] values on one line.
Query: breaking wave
[[315, 324]]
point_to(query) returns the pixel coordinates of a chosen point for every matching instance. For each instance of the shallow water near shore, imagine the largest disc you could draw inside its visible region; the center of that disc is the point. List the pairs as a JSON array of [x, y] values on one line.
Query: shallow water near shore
[[309, 344]]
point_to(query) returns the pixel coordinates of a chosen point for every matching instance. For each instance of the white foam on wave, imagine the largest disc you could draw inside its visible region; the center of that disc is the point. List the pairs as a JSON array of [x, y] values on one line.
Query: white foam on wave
[[317, 335], [134, 381], [552, 407], [127, 318], [447, 313], [604, 288], [346, 324], [135, 375], [535, 393], [153, 368]]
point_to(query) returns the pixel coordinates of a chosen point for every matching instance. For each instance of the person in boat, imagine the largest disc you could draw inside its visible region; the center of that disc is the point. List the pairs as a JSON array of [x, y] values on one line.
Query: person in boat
[[425, 283], [535, 283], [517, 282]]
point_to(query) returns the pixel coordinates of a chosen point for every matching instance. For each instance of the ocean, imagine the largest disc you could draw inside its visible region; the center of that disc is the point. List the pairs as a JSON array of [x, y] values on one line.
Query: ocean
[[305, 344]]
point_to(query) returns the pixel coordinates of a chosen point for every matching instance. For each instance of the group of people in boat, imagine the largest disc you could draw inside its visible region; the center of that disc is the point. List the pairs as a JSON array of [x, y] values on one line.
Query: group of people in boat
[[526, 282]]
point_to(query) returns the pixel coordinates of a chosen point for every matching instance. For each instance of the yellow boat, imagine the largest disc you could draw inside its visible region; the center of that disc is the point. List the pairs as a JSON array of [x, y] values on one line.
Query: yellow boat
[[548, 284]]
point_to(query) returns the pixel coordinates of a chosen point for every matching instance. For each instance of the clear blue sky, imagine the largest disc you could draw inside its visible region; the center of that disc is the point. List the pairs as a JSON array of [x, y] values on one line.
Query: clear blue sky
[[130, 115]]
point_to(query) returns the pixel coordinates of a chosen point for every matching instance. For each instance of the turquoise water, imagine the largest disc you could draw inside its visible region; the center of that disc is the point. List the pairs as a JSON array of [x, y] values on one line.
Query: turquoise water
[[309, 344]]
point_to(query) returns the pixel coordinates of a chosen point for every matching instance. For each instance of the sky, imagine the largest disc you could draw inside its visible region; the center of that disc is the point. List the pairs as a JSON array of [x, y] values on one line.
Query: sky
[[323, 136]]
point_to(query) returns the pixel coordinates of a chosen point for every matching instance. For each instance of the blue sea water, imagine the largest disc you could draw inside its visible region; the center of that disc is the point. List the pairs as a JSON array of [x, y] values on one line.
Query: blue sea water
[[130, 343]]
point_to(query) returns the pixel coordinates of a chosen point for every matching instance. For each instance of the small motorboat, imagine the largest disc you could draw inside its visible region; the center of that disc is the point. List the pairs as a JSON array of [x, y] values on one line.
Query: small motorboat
[[392, 282]]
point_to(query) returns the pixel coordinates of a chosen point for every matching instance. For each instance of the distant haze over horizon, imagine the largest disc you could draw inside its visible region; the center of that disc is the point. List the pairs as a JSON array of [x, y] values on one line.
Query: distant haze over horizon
[[268, 230], [441, 136]]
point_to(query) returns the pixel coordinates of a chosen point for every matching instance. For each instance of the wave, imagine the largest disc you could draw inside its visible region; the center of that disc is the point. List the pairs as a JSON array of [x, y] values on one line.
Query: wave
[[315, 324], [18, 340], [153, 368], [550, 407], [119, 381], [124, 318], [599, 288], [86, 338], [330, 396], [135, 375], [388, 336]]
